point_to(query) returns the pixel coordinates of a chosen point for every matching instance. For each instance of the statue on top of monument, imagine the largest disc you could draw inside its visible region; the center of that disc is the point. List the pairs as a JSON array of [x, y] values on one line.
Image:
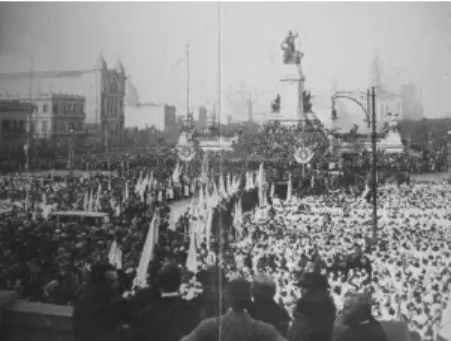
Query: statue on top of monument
[[288, 46]]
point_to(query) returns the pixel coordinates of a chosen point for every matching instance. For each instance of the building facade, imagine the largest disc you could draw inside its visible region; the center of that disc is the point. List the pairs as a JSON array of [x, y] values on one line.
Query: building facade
[[411, 102], [103, 89], [14, 124], [202, 119], [56, 117], [388, 106], [147, 115]]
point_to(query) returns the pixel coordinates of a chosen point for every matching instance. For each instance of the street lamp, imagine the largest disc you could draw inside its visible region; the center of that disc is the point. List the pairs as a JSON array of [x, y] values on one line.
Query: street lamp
[[374, 161], [449, 151], [71, 149]]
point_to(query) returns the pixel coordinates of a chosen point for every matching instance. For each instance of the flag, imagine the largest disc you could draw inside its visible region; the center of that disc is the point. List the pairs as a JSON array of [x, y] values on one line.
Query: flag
[[208, 226], [238, 220], [261, 176], [171, 222], [86, 202], [248, 181], [147, 252], [445, 325], [91, 201], [222, 191], [176, 174], [126, 193], [112, 253], [191, 261], [97, 204]]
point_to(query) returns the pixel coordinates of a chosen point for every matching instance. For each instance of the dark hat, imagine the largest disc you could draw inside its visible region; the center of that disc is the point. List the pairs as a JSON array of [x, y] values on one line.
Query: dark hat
[[313, 280]]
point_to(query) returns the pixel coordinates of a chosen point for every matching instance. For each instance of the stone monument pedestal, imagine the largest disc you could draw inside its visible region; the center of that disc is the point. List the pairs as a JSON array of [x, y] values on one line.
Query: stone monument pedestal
[[392, 143], [290, 90]]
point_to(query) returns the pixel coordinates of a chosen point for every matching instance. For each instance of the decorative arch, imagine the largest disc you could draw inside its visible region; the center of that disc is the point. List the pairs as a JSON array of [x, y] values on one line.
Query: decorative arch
[[360, 98]]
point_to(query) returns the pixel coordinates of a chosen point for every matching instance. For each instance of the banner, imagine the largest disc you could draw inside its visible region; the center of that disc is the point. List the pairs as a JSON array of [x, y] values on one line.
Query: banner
[[185, 147], [303, 155]]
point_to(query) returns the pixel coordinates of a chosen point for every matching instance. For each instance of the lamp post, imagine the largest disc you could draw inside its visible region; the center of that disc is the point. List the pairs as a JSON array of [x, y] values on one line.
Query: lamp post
[[374, 162], [449, 152], [71, 149]]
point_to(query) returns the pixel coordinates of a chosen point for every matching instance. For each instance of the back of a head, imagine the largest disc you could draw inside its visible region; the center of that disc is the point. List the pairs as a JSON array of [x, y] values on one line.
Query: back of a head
[[98, 272], [263, 287], [239, 294], [169, 277]]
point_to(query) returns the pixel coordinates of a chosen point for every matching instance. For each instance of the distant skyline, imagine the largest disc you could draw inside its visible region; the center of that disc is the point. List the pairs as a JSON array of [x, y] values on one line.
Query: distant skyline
[[339, 41]]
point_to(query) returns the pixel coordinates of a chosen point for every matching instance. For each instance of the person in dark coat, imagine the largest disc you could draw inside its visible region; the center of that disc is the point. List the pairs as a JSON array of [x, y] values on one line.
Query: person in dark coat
[[264, 308], [208, 300], [236, 324], [170, 317], [99, 309], [357, 316], [315, 312]]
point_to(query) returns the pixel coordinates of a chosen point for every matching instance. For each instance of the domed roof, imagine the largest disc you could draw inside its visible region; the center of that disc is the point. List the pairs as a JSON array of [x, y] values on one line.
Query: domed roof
[[131, 94], [119, 67], [100, 64]]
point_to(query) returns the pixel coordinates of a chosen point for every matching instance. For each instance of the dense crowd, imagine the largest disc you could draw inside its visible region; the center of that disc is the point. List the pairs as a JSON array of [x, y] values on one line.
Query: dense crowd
[[285, 245], [407, 271]]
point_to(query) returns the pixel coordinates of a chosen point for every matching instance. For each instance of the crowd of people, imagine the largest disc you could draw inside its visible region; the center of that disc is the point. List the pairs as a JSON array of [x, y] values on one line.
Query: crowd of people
[[406, 271], [277, 258]]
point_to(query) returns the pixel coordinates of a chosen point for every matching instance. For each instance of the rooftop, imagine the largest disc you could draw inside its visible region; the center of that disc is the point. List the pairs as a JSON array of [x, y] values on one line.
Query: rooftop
[[9, 105], [41, 96]]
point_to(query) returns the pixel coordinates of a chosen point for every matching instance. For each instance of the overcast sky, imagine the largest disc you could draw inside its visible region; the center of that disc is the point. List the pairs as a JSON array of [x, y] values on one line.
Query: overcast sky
[[339, 41]]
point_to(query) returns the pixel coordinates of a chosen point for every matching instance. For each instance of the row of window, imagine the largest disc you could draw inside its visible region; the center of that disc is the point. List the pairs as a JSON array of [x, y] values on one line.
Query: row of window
[[13, 125], [112, 105], [57, 126], [62, 108]]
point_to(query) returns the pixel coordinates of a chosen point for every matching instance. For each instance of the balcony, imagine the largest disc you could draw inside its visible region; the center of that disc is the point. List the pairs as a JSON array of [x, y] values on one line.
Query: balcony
[[26, 321]]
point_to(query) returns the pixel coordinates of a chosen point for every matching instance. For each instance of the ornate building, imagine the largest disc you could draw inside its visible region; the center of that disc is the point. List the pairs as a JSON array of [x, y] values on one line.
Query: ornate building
[[56, 117], [14, 123], [103, 89], [388, 103]]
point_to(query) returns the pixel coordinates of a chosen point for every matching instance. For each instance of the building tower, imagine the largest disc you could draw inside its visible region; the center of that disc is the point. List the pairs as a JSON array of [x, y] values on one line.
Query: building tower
[[376, 74]]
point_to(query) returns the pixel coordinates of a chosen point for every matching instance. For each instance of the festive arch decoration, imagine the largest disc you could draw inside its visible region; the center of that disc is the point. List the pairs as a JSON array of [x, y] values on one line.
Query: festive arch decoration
[[360, 98]]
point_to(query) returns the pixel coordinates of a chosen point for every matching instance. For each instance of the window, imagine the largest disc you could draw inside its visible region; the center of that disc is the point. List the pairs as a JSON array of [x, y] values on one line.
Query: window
[[5, 125], [45, 108], [55, 109], [22, 125], [62, 126], [31, 126], [45, 126]]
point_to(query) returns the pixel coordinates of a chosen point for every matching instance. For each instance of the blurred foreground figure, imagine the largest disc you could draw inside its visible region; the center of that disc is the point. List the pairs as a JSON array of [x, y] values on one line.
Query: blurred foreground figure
[[358, 317], [170, 317], [315, 312], [99, 309], [236, 324], [264, 307]]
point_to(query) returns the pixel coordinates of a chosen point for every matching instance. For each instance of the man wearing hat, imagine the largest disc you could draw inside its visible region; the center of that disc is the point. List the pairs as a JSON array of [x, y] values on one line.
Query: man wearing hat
[[264, 308], [170, 317], [358, 318], [315, 312]]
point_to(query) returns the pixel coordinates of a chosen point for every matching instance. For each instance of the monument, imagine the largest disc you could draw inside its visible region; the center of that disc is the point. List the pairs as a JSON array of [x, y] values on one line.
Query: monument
[[291, 81]]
